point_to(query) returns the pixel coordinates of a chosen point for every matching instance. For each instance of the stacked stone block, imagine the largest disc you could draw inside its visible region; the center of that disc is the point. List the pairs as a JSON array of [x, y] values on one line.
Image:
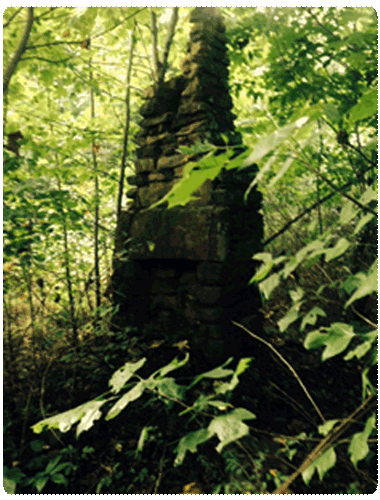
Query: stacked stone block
[[187, 268]]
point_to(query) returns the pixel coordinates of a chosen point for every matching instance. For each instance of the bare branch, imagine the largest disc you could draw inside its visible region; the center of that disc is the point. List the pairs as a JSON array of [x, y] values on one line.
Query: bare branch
[[127, 124], [5, 25], [168, 42], [155, 60], [312, 207]]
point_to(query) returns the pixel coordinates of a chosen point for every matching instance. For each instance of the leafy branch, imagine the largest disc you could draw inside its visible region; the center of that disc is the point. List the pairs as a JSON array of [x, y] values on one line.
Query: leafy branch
[[11, 68], [328, 441]]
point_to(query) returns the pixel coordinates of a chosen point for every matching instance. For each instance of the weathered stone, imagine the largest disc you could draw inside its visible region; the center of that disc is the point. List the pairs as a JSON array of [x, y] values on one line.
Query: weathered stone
[[211, 314], [227, 198], [169, 149], [197, 233], [194, 262], [206, 294], [164, 286], [130, 269], [132, 193], [203, 194], [191, 107], [178, 172], [204, 87], [184, 120], [145, 165], [210, 272], [166, 273], [149, 151], [170, 161], [211, 331], [189, 139], [156, 177], [156, 120], [164, 302], [189, 129], [151, 140], [153, 192], [137, 180], [164, 99], [163, 316], [187, 278], [191, 312]]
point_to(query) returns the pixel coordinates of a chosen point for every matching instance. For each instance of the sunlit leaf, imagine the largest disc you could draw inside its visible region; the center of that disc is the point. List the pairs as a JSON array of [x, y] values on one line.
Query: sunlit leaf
[[272, 141], [322, 464], [359, 448], [340, 247], [365, 107], [368, 285]]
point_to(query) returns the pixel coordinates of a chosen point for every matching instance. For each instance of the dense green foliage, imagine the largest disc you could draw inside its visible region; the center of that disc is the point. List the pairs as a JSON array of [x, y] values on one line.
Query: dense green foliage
[[304, 85]]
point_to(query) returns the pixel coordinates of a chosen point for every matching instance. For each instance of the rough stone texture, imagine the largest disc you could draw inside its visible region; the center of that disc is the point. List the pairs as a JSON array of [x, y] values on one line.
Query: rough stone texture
[[185, 270]]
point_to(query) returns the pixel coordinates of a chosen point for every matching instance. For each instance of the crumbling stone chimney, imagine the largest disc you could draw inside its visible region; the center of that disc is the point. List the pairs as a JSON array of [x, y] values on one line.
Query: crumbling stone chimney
[[182, 273]]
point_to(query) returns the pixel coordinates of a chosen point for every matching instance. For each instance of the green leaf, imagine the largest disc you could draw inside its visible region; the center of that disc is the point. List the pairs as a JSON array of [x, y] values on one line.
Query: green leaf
[[325, 428], [175, 364], [332, 113], [143, 437], [190, 443], [51, 465], [168, 387], [362, 222], [47, 76], [359, 448], [340, 247], [85, 19], [130, 396], [311, 317], [290, 317], [219, 372], [64, 421], [9, 485], [40, 483], [230, 427], [365, 107], [368, 284], [242, 366], [59, 479], [151, 245], [272, 141], [369, 195], [123, 374], [266, 267], [287, 164], [367, 388], [322, 464], [359, 351], [269, 285], [261, 273], [194, 176], [336, 339]]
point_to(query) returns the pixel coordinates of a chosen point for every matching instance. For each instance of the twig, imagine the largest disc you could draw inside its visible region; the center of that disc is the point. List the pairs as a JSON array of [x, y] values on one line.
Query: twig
[[288, 365]]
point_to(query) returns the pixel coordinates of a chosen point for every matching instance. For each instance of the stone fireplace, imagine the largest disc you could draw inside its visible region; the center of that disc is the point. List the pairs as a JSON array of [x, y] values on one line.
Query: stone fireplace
[[182, 273]]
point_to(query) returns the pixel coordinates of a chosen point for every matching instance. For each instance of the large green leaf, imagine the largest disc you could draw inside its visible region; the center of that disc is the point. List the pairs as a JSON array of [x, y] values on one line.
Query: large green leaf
[[336, 338], [230, 427], [130, 396], [367, 286], [272, 141], [190, 443], [194, 176], [123, 374], [322, 464], [359, 448], [365, 107]]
